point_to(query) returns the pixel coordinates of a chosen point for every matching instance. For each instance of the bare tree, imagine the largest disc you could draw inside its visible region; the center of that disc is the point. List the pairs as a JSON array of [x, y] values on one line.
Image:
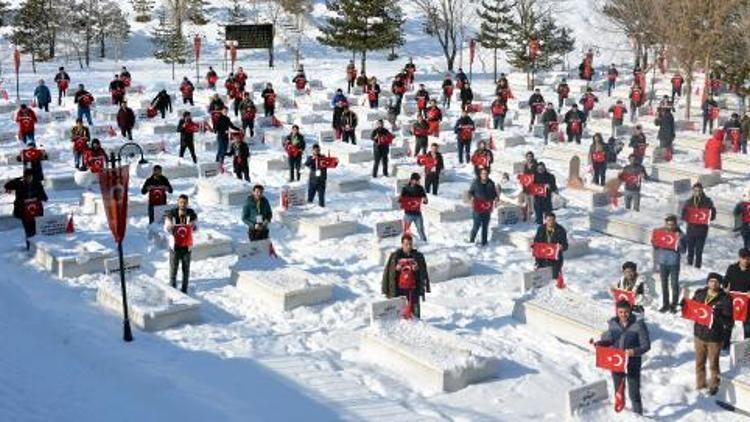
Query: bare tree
[[442, 20], [637, 19]]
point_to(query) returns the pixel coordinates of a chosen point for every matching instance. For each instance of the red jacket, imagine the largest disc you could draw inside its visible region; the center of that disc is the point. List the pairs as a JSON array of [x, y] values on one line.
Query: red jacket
[[712, 154]]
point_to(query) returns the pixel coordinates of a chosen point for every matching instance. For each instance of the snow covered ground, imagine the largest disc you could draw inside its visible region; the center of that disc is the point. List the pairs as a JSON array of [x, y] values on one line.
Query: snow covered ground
[[62, 357]]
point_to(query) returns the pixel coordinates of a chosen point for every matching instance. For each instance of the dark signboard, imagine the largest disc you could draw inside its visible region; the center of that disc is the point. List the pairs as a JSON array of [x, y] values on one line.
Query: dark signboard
[[251, 36]]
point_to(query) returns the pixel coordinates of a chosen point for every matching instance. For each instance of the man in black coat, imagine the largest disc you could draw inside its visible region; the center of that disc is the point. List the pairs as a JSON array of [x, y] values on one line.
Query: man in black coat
[[126, 120], [240, 153], [708, 341], [484, 197], [316, 183], [697, 233], [406, 274], [186, 127], [551, 232], [157, 187], [737, 279], [62, 80], [543, 201], [28, 202], [536, 106], [628, 333], [381, 147], [574, 120], [222, 127], [162, 102], [666, 134], [432, 173]]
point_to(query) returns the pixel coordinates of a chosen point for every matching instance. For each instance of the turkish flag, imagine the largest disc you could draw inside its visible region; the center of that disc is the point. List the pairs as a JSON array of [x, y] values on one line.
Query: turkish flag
[[328, 162], [466, 133], [427, 161], [192, 127], [421, 132], [617, 112], [411, 203], [95, 164], [114, 185], [546, 251], [739, 305], [32, 154], [553, 126], [183, 235], [745, 207], [385, 139], [698, 312], [79, 144], [538, 189], [598, 156], [421, 103], [621, 294], [292, 150], [407, 279], [620, 396], [157, 195], [215, 117], [612, 359], [480, 160], [498, 109], [525, 179], [538, 108], [575, 127], [665, 239], [482, 206], [699, 216], [62, 85], [25, 124], [32, 208]]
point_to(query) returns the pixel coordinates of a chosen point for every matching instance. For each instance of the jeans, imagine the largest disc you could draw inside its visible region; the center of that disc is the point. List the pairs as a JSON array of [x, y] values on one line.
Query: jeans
[[60, 95], [670, 279], [179, 256], [317, 186], [295, 164], [708, 122], [633, 197], [600, 169], [695, 249], [44, 106], [610, 87], [533, 117], [222, 144], [190, 146], [399, 98], [706, 351], [417, 220], [541, 207], [420, 144], [127, 133], [242, 172], [186, 100], [498, 122], [248, 124], [381, 156], [745, 232], [633, 381], [374, 104], [77, 159], [560, 102], [85, 112], [483, 221], [464, 148], [268, 110], [28, 138], [349, 135], [432, 182]]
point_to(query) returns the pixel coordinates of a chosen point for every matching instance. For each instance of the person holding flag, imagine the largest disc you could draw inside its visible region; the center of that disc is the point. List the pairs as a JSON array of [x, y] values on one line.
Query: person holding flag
[[536, 106], [125, 120], [434, 117], [240, 153], [574, 120], [373, 92], [464, 130], [626, 333], [421, 130], [433, 164], [698, 212], [411, 199], [550, 241], [294, 145], [26, 120], [381, 147], [186, 89], [211, 78], [31, 158], [710, 110], [351, 76], [299, 81], [466, 95], [542, 188], [316, 182], [179, 222], [636, 100], [733, 132], [447, 91], [482, 158], [550, 121], [248, 110], [742, 210], [405, 274], [95, 158], [668, 243], [598, 159], [348, 124], [62, 80], [257, 214], [638, 143], [612, 75], [187, 129], [677, 81], [117, 90], [84, 99], [269, 100], [79, 136], [632, 177], [631, 286], [222, 126], [618, 112], [563, 91], [422, 97], [737, 283], [588, 100], [484, 197], [711, 311], [499, 110], [27, 205], [157, 187]]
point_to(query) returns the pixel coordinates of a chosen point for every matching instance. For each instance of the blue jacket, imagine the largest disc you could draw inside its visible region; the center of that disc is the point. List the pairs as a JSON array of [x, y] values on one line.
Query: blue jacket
[[42, 95], [633, 336], [668, 257], [337, 98]]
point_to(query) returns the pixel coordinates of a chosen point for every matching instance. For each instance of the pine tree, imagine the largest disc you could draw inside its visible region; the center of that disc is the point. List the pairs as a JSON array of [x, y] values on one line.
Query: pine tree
[[171, 46], [195, 11], [495, 16], [362, 26], [27, 34], [554, 41], [4, 13], [111, 24], [237, 13], [142, 9]]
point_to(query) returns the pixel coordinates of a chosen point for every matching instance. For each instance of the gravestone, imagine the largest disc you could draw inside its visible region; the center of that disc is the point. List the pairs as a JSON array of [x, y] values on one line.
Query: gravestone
[[681, 187], [392, 228], [50, 225], [739, 354], [536, 279], [587, 397], [296, 195], [208, 169], [508, 214], [130, 263], [574, 173], [389, 309]]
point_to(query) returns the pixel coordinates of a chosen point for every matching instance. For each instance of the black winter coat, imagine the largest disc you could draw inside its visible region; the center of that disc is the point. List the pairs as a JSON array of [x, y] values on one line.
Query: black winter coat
[[722, 306], [24, 191]]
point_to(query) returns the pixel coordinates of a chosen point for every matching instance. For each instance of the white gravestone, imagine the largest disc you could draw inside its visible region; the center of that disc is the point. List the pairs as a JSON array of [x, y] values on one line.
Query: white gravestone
[[536, 279], [206, 170], [50, 225], [130, 263], [391, 228], [444, 267], [70, 256], [586, 397], [284, 289]]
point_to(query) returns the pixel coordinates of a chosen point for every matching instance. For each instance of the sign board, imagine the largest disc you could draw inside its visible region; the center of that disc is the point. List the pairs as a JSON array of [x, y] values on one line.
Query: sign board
[[391, 228], [129, 263], [586, 397], [250, 36], [536, 279], [387, 309], [508, 214], [206, 170], [60, 116], [50, 225], [296, 195], [739, 352]]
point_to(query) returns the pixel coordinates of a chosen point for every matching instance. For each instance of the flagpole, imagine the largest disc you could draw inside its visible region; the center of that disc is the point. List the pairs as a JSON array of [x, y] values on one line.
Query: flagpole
[[127, 333]]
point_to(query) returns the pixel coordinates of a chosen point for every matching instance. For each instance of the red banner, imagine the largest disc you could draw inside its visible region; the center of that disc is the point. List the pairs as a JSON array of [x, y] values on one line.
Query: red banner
[[698, 312], [739, 305], [480, 160], [538, 189], [328, 162], [611, 359], [197, 47], [598, 156], [699, 216], [472, 50], [526, 179], [32, 208], [32, 154], [407, 279], [621, 294], [114, 186], [665, 239], [547, 251]]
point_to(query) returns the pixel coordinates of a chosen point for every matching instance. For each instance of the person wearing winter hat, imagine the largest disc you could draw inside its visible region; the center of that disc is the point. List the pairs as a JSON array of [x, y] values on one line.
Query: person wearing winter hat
[[629, 282], [737, 279], [708, 340], [412, 197]]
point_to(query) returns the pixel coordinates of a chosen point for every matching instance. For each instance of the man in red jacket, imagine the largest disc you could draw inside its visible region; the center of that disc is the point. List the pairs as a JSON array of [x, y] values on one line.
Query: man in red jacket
[[26, 119], [126, 120]]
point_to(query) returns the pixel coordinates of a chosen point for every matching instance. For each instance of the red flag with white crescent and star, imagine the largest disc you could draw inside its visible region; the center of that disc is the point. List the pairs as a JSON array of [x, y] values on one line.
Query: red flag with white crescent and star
[[698, 312], [611, 359], [739, 305]]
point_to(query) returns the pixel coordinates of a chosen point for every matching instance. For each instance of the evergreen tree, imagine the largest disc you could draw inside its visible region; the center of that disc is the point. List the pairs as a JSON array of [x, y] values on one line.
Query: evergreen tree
[[142, 9], [195, 11], [171, 46], [495, 16], [4, 13], [554, 41], [111, 24], [237, 13], [362, 26], [27, 34]]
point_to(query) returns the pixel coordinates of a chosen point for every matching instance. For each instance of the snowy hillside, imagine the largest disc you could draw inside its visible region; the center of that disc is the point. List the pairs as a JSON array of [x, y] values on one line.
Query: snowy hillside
[[62, 357]]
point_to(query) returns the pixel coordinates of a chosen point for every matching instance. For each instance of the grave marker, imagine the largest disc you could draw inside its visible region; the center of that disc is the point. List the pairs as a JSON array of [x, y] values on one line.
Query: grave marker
[[739, 353], [389, 309], [586, 397], [206, 170], [536, 279], [130, 263], [51, 225], [392, 228], [574, 173]]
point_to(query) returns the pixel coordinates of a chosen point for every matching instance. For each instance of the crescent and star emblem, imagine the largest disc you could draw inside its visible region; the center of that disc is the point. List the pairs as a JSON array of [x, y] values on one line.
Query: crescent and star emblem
[[181, 232], [617, 360]]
